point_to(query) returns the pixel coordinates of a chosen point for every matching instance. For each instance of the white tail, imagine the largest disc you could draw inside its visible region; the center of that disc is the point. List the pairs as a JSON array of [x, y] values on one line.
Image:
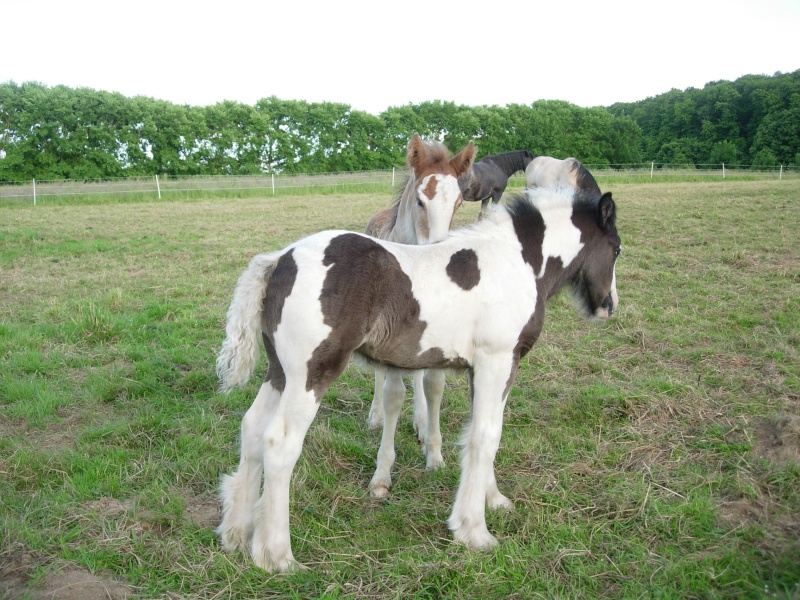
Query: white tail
[[239, 353]]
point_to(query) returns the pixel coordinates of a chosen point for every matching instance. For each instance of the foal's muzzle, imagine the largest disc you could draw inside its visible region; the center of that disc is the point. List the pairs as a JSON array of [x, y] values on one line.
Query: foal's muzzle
[[608, 306]]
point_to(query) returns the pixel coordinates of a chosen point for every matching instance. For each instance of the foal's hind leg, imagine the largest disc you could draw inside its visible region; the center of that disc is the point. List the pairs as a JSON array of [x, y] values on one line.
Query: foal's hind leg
[[282, 443], [241, 489], [394, 392], [375, 418], [494, 499], [432, 444], [420, 405]]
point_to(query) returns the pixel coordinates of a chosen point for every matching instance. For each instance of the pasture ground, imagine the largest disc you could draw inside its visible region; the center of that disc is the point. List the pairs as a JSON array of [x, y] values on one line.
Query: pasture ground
[[656, 455]]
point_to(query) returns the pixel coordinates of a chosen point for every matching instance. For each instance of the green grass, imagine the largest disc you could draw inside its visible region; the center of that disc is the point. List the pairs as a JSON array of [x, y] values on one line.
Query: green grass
[[654, 456]]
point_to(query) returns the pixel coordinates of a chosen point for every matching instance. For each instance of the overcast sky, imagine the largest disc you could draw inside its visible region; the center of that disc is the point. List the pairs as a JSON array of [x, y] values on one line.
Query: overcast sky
[[375, 54]]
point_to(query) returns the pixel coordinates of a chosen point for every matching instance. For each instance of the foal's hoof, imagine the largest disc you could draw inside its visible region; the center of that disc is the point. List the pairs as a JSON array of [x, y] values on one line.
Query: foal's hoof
[[286, 565], [434, 462], [476, 540], [499, 502], [283, 562], [374, 420], [380, 491], [233, 539], [421, 428]]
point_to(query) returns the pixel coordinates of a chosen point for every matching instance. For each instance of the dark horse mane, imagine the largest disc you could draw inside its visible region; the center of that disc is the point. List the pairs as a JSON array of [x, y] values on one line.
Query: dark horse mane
[[587, 185], [487, 179], [510, 162]]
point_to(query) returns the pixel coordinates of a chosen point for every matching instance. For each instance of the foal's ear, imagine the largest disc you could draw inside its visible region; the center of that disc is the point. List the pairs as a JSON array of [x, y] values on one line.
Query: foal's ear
[[606, 211], [462, 162], [415, 151]]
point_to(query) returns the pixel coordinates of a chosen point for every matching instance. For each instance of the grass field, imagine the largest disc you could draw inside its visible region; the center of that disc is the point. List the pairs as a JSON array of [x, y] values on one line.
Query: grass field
[[653, 456]]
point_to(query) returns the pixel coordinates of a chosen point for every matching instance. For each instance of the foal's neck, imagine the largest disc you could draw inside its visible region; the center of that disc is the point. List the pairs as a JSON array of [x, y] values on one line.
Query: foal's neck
[[404, 230]]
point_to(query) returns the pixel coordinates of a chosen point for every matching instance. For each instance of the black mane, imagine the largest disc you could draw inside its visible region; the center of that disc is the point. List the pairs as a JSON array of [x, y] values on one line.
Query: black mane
[[509, 162], [587, 185]]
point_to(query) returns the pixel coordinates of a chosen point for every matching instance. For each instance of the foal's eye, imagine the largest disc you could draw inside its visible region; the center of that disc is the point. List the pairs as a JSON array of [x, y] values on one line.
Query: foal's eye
[[617, 251], [420, 204]]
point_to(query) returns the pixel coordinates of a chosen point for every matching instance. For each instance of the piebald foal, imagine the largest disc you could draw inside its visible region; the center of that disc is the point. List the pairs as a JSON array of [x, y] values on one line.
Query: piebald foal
[[336, 293]]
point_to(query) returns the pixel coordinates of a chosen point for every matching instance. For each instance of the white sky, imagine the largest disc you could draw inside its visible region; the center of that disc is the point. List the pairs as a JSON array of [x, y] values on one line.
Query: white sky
[[378, 53]]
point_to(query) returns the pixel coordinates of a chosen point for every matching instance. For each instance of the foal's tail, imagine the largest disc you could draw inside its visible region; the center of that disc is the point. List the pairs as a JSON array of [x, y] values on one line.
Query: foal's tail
[[241, 347]]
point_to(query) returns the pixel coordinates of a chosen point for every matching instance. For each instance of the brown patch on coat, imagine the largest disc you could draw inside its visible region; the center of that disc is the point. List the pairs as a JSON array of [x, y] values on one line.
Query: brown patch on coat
[[280, 285], [529, 228], [463, 269], [368, 302]]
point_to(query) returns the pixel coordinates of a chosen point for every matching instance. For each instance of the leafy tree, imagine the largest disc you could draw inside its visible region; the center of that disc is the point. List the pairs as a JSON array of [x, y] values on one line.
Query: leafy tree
[[779, 134], [724, 152], [677, 153], [764, 158]]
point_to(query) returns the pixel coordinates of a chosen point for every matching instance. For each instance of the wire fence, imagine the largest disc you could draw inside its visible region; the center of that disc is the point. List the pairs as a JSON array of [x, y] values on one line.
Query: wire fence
[[156, 187]]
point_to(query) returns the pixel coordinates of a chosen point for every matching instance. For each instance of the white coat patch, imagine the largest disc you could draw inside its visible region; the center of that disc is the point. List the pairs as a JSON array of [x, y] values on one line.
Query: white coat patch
[[561, 238]]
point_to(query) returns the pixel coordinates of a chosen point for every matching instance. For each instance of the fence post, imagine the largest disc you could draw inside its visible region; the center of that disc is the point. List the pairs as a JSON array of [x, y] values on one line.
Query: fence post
[[273, 184], [392, 177], [158, 187], [723, 170], [652, 166], [34, 192], [780, 177]]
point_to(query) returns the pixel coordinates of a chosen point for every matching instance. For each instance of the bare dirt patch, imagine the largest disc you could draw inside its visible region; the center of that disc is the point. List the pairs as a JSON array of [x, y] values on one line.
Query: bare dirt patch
[[203, 512], [778, 439], [68, 583], [71, 582], [77, 584]]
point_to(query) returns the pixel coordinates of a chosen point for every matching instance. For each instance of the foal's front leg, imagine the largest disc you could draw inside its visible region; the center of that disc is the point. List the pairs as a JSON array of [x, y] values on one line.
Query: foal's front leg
[[421, 405], [481, 441]]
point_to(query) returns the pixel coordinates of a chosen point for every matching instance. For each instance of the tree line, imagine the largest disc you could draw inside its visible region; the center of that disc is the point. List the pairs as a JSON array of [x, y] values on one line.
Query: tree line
[[754, 120], [65, 133]]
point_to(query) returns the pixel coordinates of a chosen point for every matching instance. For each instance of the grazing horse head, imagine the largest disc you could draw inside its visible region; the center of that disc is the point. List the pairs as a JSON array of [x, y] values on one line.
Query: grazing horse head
[[424, 210]]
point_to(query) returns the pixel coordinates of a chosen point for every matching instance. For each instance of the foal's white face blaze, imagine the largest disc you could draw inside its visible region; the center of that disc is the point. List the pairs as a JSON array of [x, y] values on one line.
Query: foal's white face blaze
[[438, 198], [602, 312], [613, 294]]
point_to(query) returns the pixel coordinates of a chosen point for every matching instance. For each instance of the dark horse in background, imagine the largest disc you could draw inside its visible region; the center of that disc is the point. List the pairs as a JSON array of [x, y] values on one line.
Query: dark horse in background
[[487, 179]]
